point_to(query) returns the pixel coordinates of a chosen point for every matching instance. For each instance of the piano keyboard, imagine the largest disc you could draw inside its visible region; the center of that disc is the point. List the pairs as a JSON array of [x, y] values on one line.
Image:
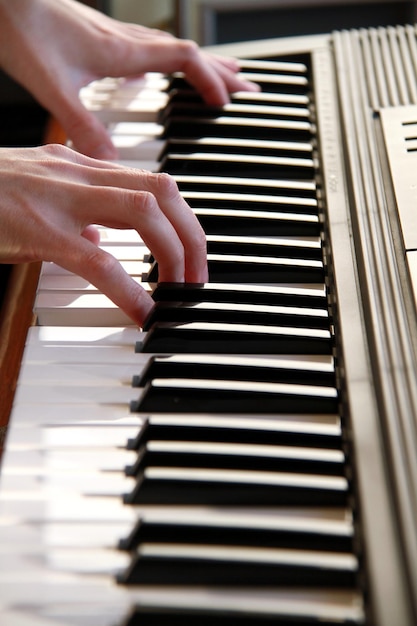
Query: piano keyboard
[[202, 470]]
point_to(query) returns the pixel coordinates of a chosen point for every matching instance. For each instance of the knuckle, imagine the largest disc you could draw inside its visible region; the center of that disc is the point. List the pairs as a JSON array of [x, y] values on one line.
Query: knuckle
[[55, 150], [161, 184], [145, 202], [189, 48], [165, 185], [99, 262]]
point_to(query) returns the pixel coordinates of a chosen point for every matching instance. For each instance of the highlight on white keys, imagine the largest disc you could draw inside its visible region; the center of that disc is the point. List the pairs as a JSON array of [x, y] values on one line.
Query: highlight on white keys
[[128, 108], [123, 99]]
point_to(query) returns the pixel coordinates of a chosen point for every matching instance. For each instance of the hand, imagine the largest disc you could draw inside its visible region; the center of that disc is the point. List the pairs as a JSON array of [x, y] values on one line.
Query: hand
[[51, 196], [55, 48]]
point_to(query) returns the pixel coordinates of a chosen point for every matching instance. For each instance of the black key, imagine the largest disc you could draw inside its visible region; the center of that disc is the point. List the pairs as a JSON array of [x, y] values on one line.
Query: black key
[[257, 223], [251, 202], [236, 145], [310, 296], [227, 529], [249, 128], [322, 431], [292, 67], [292, 247], [172, 564], [304, 370], [234, 109], [237, 313], [254, 269], [230, 268], [213, 455], [209, 338], [272, 80], [252, 166], [260, 186], [184, 486], [189, 96], [308, 248], [192, 395], [290, 259], [208, 616]]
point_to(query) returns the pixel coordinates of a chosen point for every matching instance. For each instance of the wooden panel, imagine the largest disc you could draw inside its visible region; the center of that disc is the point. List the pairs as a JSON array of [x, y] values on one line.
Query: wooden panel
[[16, 316]]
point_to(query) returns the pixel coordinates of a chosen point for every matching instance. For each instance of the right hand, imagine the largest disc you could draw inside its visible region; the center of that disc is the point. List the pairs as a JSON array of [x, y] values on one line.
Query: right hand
[[53, 196]]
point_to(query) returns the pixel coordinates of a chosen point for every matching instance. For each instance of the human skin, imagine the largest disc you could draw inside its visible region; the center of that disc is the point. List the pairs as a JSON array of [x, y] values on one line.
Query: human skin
[[52, 196], [55, 48]]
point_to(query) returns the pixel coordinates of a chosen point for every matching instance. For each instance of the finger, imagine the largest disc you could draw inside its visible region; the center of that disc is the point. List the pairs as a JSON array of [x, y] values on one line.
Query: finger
[[229, 72], [92, 234], [159, 235], [170, 55], [163, 219], [125, 208], [85, 131], [183, 220], [104, 272], [213, 76]]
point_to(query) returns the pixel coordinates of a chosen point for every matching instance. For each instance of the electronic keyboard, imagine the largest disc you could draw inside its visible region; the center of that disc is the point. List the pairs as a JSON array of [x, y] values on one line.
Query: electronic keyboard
[[249, 456]]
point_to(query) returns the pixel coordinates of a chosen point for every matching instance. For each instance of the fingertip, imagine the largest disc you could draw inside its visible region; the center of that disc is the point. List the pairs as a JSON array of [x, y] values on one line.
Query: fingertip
[[217, 96], [143, 309], [249, 86], [92, 234]]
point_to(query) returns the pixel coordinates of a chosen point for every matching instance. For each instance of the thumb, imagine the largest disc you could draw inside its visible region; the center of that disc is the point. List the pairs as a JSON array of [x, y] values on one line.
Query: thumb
[[86, 132]]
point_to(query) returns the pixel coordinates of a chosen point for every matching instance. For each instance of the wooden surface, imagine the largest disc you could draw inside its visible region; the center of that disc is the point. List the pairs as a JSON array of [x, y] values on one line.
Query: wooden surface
[[15, 318]]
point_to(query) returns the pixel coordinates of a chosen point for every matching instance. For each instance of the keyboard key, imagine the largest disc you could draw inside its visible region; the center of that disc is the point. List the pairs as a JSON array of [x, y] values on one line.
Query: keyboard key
[[205, 396], [185, 564], [196, 337], [302, 370], [237, 313], [301, 530], [185, 486], [237, 457], [311, 430], [310, 296]]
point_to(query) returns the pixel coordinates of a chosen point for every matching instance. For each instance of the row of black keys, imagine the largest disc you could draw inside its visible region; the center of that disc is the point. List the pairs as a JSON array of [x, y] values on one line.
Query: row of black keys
[[190, 323], [187, 458], [251, 187], [196, 460], [205, 319], [279, 110], [187, 322]]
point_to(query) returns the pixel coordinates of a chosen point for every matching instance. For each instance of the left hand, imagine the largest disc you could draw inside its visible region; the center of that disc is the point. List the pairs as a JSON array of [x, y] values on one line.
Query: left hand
[[55, 48], [51, 198]]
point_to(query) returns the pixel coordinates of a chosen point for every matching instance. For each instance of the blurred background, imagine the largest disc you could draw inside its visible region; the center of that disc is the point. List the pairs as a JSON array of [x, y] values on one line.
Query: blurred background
[[222, 21]]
